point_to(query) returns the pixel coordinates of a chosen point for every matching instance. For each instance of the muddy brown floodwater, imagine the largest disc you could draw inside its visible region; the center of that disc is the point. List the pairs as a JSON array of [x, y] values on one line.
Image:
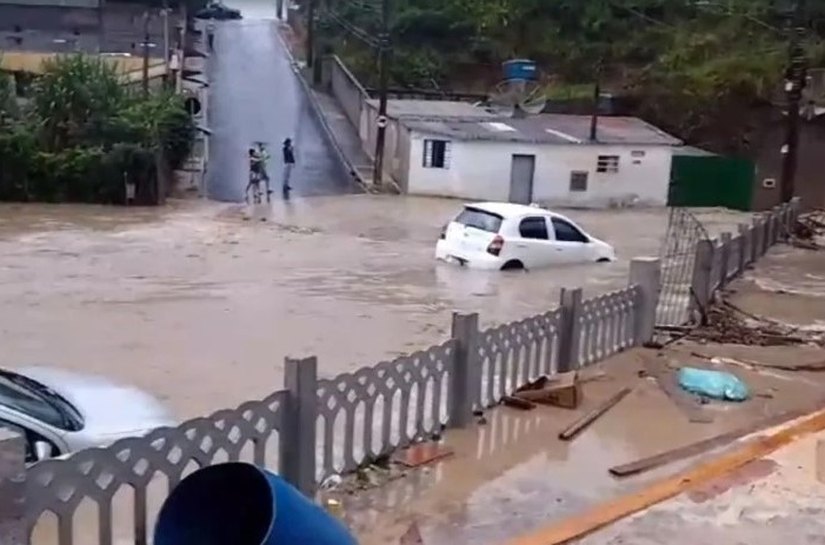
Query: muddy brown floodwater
[[200, 306]]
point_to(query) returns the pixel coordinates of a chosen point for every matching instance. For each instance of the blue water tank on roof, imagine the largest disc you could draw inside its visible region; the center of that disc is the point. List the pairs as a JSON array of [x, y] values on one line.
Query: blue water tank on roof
[[522, 69]]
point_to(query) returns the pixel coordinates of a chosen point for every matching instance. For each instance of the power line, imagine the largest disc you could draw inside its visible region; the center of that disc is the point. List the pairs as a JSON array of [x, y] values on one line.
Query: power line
[[354, 30]]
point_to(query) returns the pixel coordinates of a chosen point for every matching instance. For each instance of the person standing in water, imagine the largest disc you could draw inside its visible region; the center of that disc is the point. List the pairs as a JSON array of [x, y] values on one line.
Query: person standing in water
[[289, 162]]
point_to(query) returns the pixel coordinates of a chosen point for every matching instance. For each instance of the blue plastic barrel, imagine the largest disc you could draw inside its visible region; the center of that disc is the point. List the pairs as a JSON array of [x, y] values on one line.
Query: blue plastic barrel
[[520, 69], [239, 504]]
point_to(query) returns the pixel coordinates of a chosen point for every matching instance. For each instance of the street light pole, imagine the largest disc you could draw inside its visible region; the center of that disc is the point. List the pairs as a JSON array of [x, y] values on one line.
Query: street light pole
[[796, 76], [384, 77]]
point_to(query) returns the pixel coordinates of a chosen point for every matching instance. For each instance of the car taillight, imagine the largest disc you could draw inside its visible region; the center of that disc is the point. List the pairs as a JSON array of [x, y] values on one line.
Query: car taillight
[[495, 246], [443, 234]]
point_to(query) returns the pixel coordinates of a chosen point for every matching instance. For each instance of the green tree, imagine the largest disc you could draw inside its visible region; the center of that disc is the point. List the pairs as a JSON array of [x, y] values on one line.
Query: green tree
[[75, 100]]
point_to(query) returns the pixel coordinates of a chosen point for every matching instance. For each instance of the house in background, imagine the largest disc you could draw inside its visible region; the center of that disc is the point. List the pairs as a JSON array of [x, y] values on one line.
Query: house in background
[[546, 158], [401, 112]]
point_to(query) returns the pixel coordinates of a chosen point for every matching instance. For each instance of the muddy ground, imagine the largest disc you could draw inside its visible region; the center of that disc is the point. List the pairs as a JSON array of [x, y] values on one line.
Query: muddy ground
[[510, 475], [200, 306]]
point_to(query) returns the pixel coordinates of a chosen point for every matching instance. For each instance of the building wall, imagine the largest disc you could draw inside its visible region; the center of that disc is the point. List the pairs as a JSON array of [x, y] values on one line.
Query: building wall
[[346, 89], [810, 176], [481, 170]]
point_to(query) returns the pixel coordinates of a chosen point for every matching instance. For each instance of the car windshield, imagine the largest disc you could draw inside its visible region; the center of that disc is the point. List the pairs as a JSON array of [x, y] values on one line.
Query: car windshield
[[35, 400], [480, 219]]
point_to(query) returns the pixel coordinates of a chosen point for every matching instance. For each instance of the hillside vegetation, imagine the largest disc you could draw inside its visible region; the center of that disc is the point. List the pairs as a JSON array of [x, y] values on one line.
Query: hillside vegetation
[[699, 68]]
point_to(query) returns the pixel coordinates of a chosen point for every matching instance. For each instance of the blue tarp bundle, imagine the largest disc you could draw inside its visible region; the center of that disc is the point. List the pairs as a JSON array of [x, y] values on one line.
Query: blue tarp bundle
[[713, 384]]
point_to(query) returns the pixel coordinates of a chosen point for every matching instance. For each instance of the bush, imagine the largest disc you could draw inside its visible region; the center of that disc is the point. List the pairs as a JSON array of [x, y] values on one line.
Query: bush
[[85, 135]]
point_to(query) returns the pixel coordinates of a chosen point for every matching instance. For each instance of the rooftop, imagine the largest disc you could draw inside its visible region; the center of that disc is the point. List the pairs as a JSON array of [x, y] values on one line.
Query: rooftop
[[426, 110], [547, 129]]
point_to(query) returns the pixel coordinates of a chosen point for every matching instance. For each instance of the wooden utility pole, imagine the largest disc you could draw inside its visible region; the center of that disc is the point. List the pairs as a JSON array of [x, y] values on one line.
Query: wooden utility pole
[[796, 76], [597, 95], [145, 80], [384, 46], [310, 42]]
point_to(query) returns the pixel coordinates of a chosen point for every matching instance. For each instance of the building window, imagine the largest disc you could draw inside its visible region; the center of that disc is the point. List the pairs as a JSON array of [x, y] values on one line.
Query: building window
[[578, 180], [608, 163], [436, 154]]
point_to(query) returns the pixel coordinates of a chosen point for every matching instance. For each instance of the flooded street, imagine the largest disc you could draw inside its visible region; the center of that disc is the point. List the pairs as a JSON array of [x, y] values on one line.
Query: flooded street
[[199, 306]]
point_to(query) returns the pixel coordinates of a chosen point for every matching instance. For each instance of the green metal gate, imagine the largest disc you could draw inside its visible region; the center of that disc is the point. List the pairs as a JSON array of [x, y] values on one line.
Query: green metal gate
[[711, 180]]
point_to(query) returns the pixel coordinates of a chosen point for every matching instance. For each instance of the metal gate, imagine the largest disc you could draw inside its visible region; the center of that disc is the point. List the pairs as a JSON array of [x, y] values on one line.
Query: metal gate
[[678, 255]]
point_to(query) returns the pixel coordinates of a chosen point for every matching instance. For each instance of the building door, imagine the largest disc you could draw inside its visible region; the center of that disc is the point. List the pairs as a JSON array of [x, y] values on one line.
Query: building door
[[521, 178]]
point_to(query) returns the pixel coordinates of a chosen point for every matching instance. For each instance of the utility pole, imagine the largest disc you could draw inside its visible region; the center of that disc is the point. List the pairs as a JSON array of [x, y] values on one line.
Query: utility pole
[[145, 80], [310, 45], [795, 79], [384, 77], [597, 95], [165, 14]]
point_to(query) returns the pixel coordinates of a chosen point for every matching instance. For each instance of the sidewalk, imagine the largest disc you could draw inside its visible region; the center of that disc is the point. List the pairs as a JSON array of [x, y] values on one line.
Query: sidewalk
[[510, 475], [345, 134]]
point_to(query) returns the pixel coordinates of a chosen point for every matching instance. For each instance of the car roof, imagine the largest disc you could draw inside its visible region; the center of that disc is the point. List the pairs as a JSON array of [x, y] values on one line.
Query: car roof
[[509, 209]]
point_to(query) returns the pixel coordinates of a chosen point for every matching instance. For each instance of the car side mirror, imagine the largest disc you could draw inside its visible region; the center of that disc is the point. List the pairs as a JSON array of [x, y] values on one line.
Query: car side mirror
[[43, 450]]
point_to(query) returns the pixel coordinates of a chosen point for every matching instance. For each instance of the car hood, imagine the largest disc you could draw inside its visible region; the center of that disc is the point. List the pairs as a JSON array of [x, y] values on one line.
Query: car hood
[[107, 408]]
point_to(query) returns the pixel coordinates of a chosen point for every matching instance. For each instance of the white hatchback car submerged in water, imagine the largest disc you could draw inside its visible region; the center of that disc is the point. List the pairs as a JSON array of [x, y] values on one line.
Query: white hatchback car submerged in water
[[502, 236], [59, 411]]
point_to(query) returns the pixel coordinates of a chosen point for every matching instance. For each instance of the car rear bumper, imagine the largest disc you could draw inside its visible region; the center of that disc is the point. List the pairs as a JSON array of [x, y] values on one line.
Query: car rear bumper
[[475, 260]]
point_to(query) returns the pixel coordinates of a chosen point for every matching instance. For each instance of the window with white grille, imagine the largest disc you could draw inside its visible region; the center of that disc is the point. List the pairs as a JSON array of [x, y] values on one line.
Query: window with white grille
[[436, 154], [608, 163]]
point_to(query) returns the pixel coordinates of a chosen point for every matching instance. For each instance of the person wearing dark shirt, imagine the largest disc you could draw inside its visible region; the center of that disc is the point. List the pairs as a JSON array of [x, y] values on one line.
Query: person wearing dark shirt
[[289, 161]]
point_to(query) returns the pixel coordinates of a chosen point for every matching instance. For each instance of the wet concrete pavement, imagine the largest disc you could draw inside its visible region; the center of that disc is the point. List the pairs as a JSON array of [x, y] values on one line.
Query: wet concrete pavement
[[777, 499], [198, 306], [255, 96]]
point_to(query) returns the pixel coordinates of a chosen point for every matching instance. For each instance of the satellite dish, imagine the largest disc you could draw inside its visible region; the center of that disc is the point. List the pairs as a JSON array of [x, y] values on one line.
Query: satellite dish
[[517, 98]]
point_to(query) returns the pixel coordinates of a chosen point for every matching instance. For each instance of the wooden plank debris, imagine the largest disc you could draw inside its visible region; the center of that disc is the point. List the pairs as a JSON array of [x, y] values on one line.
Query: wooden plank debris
[[564, 391], [518, 403], [578, 426], [699, 447]]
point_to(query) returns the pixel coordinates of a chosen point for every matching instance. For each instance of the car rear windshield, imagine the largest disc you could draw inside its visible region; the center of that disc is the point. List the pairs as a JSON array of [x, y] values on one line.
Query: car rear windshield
[[486, 221]]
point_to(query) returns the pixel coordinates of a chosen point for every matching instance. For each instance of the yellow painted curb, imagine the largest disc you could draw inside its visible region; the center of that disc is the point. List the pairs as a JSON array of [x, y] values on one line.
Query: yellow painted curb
[[608, 512]]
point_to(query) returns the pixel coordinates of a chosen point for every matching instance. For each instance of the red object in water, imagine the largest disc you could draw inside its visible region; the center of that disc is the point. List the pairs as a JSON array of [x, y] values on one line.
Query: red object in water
[[421, 454]]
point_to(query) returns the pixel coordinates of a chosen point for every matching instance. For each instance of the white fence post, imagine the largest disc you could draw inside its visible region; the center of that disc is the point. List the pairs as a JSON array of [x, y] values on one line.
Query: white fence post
[[570, 330], [744, 248], [701, 283], [465, 375], [645, 272], [725, 248], [12, 489], [297, 434]]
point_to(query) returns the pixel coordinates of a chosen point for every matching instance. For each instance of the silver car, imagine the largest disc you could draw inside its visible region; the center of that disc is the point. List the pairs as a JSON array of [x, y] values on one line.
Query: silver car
[[60, 411]]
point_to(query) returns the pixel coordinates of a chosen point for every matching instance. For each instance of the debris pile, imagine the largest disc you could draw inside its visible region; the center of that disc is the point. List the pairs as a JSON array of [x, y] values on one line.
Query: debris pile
[[727, 324], [807, 229]]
